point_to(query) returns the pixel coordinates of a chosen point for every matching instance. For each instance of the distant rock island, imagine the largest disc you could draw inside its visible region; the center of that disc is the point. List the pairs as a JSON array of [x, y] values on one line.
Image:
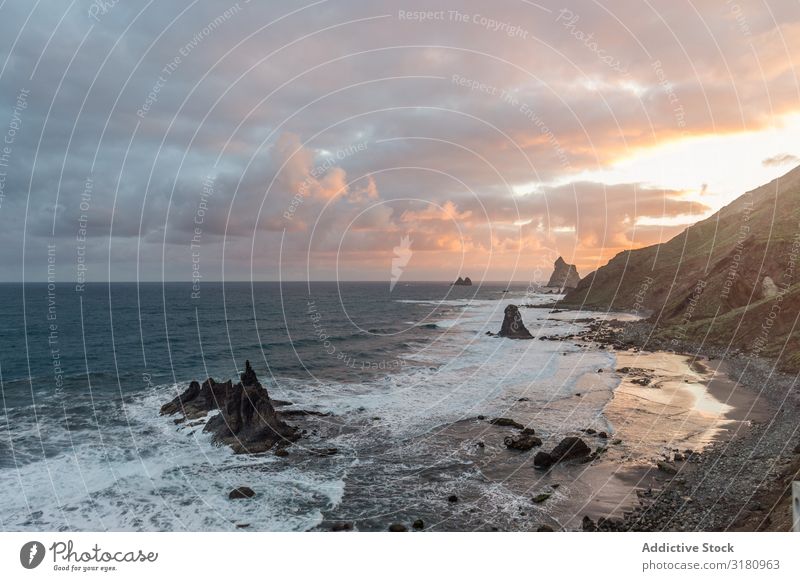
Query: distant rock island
[[565, 276], [463, 282]]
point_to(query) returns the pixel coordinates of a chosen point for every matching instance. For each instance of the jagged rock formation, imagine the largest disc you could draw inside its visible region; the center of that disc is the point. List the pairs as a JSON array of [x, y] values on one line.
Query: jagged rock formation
[[565, 276], [722, 281], [247, 421], [463, 282], [513, 327]]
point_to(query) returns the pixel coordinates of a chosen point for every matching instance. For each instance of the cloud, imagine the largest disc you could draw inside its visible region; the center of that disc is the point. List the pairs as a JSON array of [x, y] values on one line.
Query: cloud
[[322, 126], [781, 159]]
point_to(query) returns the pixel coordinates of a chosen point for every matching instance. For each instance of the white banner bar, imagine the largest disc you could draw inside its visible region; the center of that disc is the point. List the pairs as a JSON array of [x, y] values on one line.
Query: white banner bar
[[353, 556]]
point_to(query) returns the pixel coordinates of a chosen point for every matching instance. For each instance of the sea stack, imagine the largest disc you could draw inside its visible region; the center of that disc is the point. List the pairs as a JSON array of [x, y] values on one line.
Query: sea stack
[[467, 281], [513, 327], [247, 421], [565, 276]]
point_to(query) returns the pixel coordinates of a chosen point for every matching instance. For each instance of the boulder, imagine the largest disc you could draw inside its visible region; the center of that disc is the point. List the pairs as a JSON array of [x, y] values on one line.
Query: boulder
[[247, 421], [667, 467], [418, 525], [506, 423], [241, 492], [769, 289], [522, 442], [398, 528], [569, 448], [565, 276], [543, 460], [513, 327], [342, 526]]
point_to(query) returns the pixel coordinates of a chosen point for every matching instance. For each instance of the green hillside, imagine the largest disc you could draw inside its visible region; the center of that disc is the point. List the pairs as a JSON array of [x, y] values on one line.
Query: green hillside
[[730, 279]]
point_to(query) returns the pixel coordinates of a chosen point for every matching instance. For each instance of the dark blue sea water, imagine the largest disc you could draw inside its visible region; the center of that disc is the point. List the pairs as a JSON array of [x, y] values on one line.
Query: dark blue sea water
[[82, 446]]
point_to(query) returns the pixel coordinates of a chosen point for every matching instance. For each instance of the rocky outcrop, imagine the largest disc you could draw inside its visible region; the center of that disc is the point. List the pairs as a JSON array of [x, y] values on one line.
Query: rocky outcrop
[[247, 421], [565, 276], [513, 327], [463, 282], [241, 492], [522, 442], [569, 448]]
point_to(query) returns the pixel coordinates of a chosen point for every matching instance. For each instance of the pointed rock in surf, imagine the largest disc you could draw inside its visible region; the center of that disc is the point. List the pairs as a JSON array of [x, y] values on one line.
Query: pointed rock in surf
[[247, 421], [565, 276], [513, 327]]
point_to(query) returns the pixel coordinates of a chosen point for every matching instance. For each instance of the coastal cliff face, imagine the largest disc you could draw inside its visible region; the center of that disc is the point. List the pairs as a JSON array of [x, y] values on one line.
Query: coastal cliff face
[[565, 276], [247, 421], [729, 280]]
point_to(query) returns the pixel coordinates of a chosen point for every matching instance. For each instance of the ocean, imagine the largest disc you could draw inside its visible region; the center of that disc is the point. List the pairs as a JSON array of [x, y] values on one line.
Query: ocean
[[404, 375]]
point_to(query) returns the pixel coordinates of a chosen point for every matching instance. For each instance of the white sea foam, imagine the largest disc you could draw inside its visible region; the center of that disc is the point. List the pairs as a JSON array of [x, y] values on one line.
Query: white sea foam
[[149, 474]]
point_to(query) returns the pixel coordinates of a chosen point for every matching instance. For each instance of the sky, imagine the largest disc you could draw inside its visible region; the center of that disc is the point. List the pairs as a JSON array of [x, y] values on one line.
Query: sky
[[331, 139]]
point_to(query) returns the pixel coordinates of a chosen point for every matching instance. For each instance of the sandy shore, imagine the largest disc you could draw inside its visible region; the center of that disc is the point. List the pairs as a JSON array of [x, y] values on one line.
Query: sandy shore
[[666, 410], [742, 476], [663, 404]]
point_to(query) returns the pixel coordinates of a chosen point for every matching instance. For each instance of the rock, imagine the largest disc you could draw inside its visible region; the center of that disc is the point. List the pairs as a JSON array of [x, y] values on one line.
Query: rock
[[565, 276], [603, 435], [590, 431], [463, 282], [522, 442], [398, 528], [513, 327], [666, 467], [545, 529], [543, 460], [241, 492], [452, 498], [249, 376], [768, 288], [242, 525], [247, 421], [341, 526], [528, 432], [617, 442], [570, 447], [418, 525], [507, 423], [282, 452], [588, 525], [325, 451], [540, 498], [678, 457], [481, 445]]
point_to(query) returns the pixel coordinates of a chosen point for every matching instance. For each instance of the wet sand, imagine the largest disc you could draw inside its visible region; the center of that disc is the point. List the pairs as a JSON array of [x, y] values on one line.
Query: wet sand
[[684, 406]]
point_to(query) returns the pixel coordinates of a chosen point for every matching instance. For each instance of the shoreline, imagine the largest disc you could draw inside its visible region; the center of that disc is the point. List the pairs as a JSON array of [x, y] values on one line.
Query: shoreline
[[741, 480]]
